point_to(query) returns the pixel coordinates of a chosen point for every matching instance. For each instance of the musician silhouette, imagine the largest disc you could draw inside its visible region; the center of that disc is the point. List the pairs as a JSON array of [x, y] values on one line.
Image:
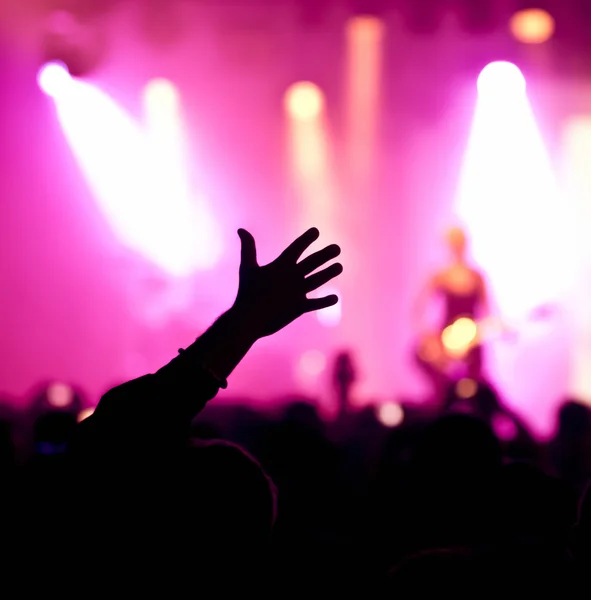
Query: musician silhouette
[[452, 350], [344, 377]]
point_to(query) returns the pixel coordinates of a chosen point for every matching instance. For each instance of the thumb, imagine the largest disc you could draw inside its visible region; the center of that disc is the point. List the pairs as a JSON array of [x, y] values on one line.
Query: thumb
[[248, 253]]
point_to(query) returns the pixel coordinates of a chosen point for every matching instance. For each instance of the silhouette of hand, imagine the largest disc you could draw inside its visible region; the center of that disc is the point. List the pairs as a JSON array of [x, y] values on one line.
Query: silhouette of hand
[[271, 297]]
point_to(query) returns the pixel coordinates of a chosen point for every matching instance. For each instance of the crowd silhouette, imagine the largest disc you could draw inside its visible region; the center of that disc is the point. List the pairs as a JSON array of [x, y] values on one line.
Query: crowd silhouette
[[160, 491]]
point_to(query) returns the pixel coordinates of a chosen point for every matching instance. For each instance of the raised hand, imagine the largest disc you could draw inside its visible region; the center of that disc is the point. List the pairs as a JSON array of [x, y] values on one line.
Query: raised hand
[[272, 296]]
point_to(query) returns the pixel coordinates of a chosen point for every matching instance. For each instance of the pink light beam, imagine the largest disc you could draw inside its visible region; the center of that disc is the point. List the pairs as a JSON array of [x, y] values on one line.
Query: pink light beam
[[114, 155], [510, 203]]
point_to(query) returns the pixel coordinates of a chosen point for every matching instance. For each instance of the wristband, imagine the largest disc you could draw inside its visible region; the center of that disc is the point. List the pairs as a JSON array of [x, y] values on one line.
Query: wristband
[[223, 383]]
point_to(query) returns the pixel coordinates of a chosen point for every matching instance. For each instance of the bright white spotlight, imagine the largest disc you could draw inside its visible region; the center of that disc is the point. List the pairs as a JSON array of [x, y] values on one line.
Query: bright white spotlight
[[511, 204], [391, 414], [141, 187], [162, 94], [501, 80], [54, 79], [304, 101]]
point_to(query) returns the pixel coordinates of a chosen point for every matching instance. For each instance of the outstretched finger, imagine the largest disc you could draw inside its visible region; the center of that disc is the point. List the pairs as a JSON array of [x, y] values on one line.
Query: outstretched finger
[[318, 279], [295, 250], [316, 260], [248, 252], [319, 303]]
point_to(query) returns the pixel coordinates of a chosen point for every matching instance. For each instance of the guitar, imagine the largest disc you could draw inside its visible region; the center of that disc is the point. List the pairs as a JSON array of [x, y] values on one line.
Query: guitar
[[456, 341]]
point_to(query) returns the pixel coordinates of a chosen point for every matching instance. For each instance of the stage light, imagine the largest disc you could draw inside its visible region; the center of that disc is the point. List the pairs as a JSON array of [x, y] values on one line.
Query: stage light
[[312, 363], [168, 143], [365, 28], [304, 101], [390, 414], [142, 187], [308, 143], [364, 75], [511, 205], [532, 26], [466, 388], [60, 395], [501, 79], [54, 79], [84, 414], [162, 94], [459, 337], [577, 149]]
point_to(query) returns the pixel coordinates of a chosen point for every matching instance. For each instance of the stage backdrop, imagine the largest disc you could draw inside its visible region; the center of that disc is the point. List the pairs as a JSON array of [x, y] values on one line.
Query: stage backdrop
[[78, 305]]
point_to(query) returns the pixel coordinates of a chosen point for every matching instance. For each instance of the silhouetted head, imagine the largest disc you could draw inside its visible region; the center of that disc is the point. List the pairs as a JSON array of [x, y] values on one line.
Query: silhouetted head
[[344, 371], [343, 360], [202, 514], [303, 414], [516, 570], [481, 397], [431, 573], [535, 506], [57, 396], [7, 448], [582, 541], [453, 472], [53, 431], [574, 420], [205, 431], [207, 516], [457, 243], [230, 499], [458, 445]]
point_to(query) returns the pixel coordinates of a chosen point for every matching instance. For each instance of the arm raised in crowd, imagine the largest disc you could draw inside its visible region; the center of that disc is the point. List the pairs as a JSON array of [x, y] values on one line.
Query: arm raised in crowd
[[161, 406]]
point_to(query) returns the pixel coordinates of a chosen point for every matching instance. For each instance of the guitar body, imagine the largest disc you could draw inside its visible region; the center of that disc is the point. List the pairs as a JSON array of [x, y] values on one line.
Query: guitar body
[[456, 351], [451, 352]]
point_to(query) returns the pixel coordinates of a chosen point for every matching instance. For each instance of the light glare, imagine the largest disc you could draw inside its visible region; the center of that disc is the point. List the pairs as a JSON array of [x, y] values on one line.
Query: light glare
[[304, 101], [501, 79], [84, 414], [312, 363], [54, 79], [162, 94], [147, 203], [60, 395], [532, 26], [169, 152], [514, 213], [391, 414], [365, 28], [459, 337]]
